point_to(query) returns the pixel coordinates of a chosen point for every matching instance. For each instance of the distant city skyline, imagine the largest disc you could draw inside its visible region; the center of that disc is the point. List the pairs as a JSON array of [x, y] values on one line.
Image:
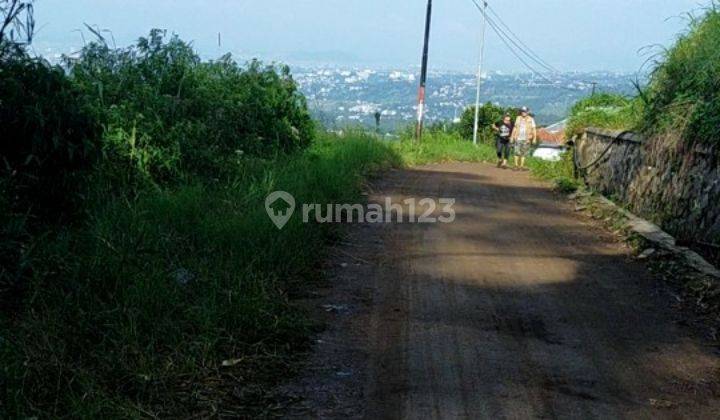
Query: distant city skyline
[[570, 35]]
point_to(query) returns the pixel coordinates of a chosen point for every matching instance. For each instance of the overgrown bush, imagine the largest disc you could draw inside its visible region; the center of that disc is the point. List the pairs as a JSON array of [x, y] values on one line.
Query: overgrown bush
[[48, 136], [489, 114], [604, 110], [165, 111], [441, 146], [133, 308], [49, 143], [136, 311], [684, 92]]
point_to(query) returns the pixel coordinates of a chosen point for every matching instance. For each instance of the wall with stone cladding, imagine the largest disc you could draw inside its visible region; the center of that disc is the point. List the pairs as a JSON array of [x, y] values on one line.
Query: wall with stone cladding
[[662, 179]]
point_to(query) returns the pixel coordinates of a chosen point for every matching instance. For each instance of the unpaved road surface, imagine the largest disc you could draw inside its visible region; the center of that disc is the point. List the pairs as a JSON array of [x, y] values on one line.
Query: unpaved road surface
[[521, 308]]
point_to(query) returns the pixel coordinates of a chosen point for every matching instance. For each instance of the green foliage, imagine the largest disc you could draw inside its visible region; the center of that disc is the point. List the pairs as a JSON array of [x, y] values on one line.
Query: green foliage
[[684, 92], [560, 172], [682, 96], [48, 136], [165, 111], [488, 115], [604, 110], [600, 101], [137, 310], [13, 265], [566, 185], [132, 307], [439, 146]]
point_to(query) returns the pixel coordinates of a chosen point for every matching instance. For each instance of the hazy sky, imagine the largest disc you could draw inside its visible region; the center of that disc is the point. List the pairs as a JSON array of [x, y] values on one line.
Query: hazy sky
[[569, 34]]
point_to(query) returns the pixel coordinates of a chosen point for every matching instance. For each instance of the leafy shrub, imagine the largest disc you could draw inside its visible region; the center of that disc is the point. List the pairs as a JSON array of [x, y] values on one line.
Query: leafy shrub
[[489, 114], [604, 110], [439, 146], [137, 310], [166, 111], [684, 91], [13, 246], [560, 172], [48, 136], [566, 185]]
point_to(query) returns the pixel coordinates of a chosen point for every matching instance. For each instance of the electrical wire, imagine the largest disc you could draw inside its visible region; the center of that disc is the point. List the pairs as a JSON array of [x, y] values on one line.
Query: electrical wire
[[529, 51], [514, 47], [519, 45]]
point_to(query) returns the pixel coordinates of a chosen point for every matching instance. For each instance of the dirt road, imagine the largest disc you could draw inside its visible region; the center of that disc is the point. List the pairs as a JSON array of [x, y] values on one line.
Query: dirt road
[[518, 309]]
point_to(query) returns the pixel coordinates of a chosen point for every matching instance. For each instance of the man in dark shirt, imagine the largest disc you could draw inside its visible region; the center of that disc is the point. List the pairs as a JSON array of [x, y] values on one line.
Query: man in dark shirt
[[503, 130]]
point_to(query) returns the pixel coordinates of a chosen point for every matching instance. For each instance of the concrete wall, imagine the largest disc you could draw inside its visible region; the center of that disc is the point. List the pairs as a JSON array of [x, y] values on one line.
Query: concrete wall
[[662, 179]]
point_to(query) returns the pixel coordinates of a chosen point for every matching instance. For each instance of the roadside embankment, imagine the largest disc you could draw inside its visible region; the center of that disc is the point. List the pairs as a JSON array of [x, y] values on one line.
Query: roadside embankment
[[671, 183]]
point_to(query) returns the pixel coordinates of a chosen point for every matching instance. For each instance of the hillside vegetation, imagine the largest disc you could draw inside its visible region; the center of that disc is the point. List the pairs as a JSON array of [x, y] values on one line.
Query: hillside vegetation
[[604, 110], [681, 99], [140, 274], [684, 93]]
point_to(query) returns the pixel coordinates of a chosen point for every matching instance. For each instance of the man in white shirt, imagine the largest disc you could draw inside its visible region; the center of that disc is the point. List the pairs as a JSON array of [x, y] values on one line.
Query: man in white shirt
[[524, 135]]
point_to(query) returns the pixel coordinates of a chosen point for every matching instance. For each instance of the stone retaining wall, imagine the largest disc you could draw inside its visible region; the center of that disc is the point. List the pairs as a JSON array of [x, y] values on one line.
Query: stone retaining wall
[[662, 179]]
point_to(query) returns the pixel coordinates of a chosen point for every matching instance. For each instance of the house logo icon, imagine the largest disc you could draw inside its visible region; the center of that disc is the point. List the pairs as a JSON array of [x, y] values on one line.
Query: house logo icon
[[280, 206]]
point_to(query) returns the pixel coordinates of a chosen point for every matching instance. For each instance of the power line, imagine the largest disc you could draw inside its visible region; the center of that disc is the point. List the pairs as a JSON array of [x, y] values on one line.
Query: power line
[[507, 41], [529, 51], [514, 46], [519, 45]]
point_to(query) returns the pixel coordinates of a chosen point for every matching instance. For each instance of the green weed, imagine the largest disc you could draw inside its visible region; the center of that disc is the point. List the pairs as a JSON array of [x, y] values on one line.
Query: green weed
[[560, 172], [608, 111], [135, 312], [437, 146], [682, 96]]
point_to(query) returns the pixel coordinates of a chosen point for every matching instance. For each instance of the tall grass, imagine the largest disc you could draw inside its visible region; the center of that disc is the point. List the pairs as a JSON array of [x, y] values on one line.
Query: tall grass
[[175, 301], [560, 172], [438, 146], [605, 110], [681, 98], [683, 95], [134, 313]]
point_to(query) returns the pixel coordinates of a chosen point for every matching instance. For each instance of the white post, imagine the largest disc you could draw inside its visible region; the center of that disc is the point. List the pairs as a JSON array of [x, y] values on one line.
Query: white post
[[479, 77]]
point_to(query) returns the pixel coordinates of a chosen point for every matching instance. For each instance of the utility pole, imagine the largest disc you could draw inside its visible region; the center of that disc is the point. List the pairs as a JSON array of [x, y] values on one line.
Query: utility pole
[[594, 84], [479, 76], [423, 75]]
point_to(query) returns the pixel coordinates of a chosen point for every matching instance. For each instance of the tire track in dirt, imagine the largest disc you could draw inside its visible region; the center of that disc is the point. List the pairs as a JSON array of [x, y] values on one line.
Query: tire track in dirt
[[518, 309]]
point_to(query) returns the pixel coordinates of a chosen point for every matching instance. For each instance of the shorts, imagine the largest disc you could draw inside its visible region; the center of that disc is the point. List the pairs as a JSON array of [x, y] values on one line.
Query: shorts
[[503, 149], [521, 148]]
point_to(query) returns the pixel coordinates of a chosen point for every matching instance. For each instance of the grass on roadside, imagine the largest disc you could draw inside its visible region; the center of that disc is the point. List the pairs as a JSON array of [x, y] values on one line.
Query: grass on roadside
[[559, 172], [437, 146], [174, 302], [178, 300], [610, 111]]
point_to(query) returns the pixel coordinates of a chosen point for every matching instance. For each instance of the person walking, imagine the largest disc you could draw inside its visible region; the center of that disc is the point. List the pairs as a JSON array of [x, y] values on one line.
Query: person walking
[[503, 130], [524, 135]]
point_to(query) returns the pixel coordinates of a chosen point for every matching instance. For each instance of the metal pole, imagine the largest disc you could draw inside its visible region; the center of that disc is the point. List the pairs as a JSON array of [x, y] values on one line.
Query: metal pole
[[423, 75], [479, 77]]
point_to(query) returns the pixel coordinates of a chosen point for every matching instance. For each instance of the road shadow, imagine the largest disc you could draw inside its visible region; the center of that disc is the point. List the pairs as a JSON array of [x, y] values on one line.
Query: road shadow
[[521, 309]]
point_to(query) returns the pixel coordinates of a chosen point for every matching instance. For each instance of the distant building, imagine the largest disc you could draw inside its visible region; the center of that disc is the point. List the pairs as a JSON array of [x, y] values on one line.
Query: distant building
[[553, 134]]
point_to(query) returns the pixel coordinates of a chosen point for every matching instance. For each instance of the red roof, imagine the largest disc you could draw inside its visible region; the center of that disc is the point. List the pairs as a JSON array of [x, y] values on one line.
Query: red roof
[[553, 134]]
